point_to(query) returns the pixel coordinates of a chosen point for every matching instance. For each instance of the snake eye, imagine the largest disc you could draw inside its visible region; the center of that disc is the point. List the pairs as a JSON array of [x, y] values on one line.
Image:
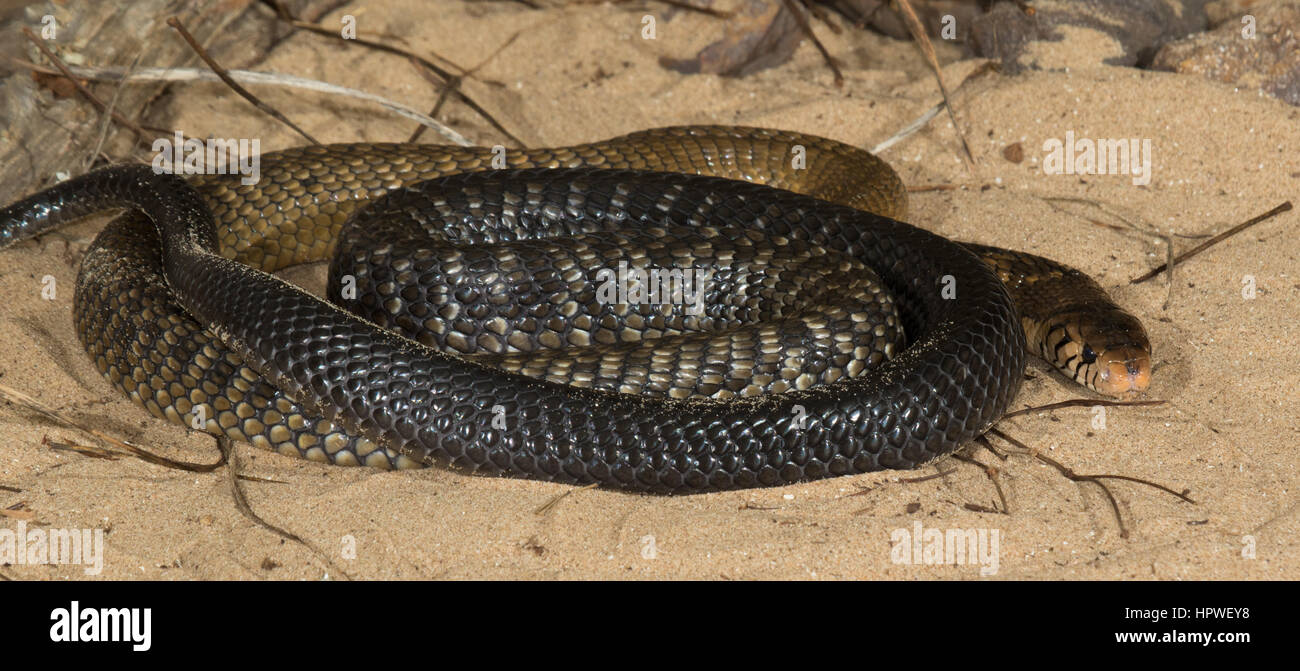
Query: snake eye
[[1088, 355]]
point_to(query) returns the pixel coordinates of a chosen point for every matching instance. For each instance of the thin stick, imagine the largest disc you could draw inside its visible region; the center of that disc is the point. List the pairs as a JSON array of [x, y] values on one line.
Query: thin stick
[[820, 13], [452, 85], [990, 472], [90, 451], [918, 32], [280, 10], [793, 6], [1052, 202], [910, 128], [250, 77], [1069, 474], [81, 88], [15, 396], [717, 13], [112, 105], [988, 445], [932, 476], [234, 86], [399, 51], [446, 86], [546, 507], [1284, 207], [241, 504], [923, 188], [478, 109], [1077, 403], [18, 511], [929, 114]]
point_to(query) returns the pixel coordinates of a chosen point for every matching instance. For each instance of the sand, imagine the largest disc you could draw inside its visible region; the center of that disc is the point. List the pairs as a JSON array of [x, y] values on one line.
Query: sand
[[1225, 364]]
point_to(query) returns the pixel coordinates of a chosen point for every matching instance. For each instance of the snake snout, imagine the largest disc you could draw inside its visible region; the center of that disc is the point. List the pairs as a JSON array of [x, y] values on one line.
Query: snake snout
[[1125, 372]]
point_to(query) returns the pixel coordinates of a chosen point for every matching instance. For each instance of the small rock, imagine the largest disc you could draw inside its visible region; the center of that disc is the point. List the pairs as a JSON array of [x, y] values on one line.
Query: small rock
[[1268, 61], [1135, 28], [1224, 10]]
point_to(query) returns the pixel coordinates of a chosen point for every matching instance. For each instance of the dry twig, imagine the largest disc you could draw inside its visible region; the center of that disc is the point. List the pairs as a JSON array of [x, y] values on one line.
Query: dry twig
[[234, 86]]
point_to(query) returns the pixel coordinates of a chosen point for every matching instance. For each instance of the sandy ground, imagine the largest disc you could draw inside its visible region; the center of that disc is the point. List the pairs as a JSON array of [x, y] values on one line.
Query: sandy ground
[[1226, 364]]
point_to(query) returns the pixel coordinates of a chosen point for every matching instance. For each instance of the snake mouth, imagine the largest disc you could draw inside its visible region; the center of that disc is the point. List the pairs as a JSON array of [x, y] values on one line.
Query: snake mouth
[[1124, 372]]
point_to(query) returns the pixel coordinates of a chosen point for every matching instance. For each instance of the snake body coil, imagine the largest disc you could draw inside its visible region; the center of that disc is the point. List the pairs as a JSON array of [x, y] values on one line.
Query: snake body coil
[[188, 332]]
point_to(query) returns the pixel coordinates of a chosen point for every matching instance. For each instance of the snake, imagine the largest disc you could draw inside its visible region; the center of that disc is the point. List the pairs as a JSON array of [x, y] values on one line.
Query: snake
[[463, 326]]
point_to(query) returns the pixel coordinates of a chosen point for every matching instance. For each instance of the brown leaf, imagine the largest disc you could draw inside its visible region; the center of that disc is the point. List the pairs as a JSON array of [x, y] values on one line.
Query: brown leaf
[[763, 34], [59, 85]]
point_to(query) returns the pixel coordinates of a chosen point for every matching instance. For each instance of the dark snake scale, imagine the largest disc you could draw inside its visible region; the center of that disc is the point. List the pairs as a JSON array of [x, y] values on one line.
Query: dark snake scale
[[827, 339]]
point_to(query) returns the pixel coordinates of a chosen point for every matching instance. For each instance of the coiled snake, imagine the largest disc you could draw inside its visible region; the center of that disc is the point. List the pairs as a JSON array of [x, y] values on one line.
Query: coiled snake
[[746, 387]]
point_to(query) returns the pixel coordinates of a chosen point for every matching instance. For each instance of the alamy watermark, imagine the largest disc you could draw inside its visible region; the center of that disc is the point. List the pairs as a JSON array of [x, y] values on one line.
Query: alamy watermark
[[656, 286], [213, 156], [53, 546], [103, 625], [953, 547], [1086, 156]]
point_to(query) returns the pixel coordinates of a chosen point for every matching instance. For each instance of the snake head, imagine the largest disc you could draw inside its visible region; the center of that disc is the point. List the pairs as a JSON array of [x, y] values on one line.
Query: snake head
[[1103, 348]]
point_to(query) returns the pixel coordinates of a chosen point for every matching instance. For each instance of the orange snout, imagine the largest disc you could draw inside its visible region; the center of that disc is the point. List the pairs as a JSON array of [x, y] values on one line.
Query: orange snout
[[1125, 372]]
